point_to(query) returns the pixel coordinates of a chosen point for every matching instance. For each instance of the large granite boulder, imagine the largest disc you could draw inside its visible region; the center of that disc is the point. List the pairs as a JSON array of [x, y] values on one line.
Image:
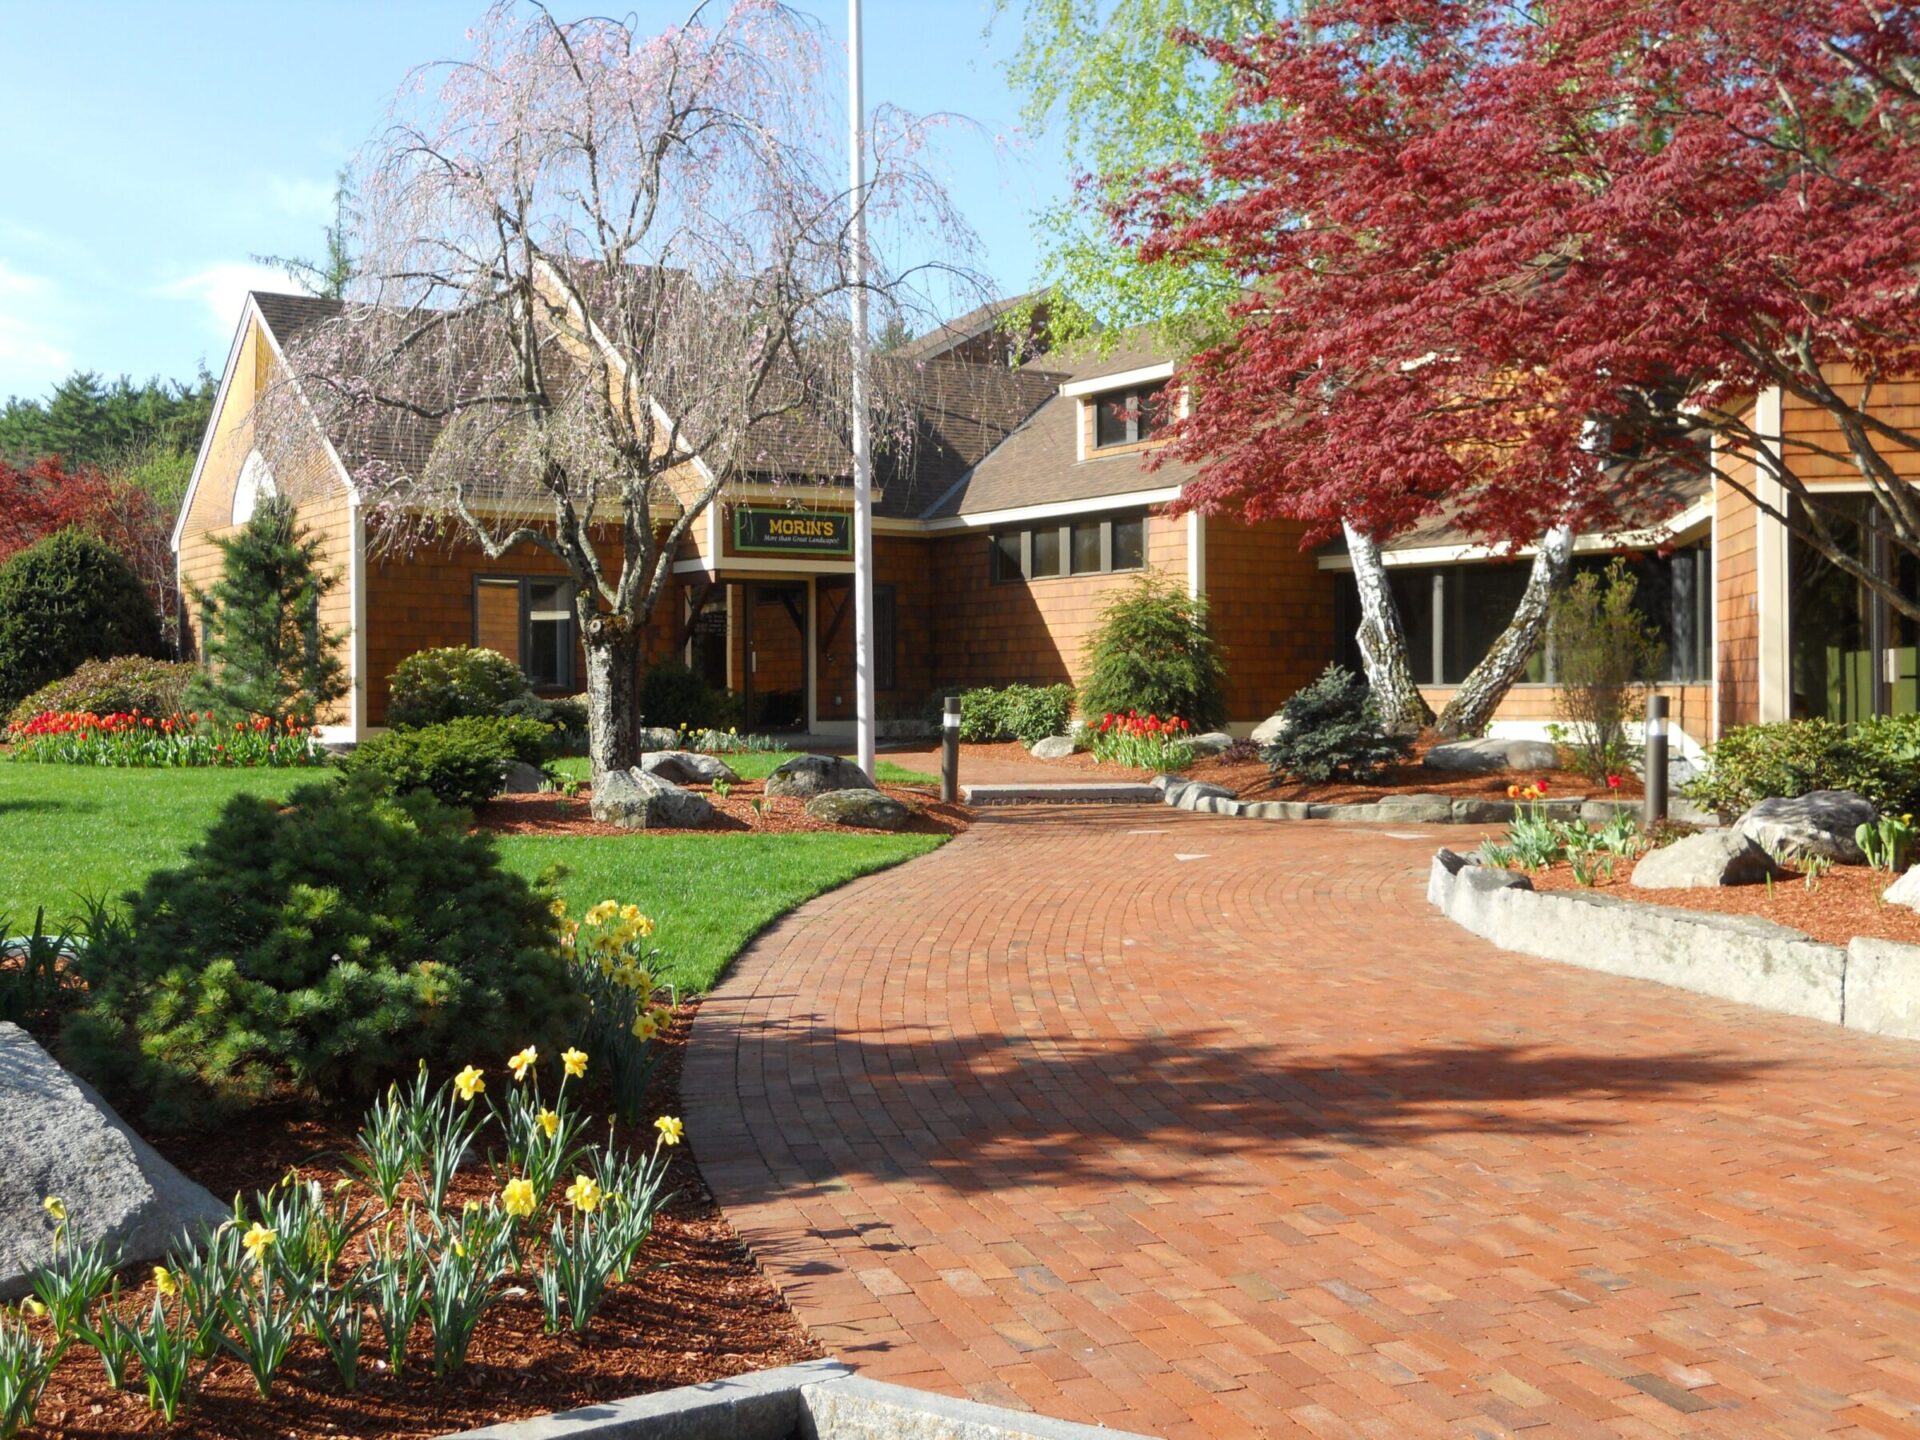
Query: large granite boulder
[[687, 767], [1821, 822], [58, 1138], [1269, 729], [1209, 742], [658, 737], [1703, 861], [1054, 747], [1478, 757], [523, 779], [867, 809], [805, 776], [635, 800], [1904, 891]]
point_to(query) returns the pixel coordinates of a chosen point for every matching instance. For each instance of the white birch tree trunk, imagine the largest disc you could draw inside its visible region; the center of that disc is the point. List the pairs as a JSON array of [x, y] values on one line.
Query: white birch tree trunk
[[1383, 638], [1480, 694]]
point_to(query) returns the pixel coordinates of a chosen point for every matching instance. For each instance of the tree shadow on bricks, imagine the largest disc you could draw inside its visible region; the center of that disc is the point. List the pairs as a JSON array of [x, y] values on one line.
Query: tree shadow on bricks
[[982, 1113]]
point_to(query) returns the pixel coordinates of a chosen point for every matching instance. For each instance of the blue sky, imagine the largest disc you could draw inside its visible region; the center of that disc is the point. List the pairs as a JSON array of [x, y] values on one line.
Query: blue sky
[[151, 149]]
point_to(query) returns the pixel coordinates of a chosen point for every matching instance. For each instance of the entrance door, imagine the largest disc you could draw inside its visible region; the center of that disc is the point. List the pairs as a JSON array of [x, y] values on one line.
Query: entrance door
[[774, 626]]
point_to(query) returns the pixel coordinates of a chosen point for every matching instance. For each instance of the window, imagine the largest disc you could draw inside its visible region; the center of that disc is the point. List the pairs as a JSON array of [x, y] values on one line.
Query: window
[[1127, 417], [1087, 547], [1094, 545], [530, 621], [883, 633], [1454, 613]]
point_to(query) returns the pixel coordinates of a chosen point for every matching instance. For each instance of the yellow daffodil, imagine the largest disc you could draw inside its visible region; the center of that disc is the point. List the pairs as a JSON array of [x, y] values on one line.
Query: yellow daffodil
[[575, 1062], [558, 908], [469, 1083], [517, 1198], [522, 1062], [164, 1282], [584, 1194], [670, 1128], [643, 981], [549, 1122], [257, 1240], [644, 1026], [56, 1207], [570, 932], [629, 913], [625, 975], [603, 912], [33, 1306]]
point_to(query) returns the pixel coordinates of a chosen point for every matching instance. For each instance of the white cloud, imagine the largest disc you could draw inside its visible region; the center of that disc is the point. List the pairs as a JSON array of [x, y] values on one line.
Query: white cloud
[[222, 286], [32, 357]]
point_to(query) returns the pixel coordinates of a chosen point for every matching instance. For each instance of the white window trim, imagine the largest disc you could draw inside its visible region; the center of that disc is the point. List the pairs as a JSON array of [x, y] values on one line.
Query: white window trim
[[1119, 380]]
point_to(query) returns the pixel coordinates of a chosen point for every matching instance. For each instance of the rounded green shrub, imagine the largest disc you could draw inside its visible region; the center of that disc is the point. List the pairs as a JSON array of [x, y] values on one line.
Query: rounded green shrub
[[1013, 712], [672, 696], [113, 687], [461, 762], [1331, 730], [1153, 655], [1879, 759], [67, 599], [434, 686], [330, 942]]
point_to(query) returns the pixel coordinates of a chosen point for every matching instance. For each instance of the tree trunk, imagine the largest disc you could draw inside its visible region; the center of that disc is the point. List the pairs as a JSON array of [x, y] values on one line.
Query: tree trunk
[[612, 643], [1480, 694], [1383, 639]]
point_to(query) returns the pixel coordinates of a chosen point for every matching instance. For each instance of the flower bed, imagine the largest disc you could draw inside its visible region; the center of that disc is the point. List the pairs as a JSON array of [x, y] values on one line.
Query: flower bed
[[1833, 907], [694, 1309], [72, 737]]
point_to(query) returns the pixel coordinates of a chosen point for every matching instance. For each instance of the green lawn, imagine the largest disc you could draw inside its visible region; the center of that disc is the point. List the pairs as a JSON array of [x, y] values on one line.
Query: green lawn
[[757, 765], [72, 831]]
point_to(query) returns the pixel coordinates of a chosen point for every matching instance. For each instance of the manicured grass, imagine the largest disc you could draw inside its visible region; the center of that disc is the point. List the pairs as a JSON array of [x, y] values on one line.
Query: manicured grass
[[757, 765], [74, 831], [709, 894], [70, 831]]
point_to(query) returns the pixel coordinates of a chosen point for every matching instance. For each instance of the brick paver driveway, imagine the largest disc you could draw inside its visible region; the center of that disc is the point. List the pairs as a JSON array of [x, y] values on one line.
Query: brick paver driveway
[[1206, 1127]]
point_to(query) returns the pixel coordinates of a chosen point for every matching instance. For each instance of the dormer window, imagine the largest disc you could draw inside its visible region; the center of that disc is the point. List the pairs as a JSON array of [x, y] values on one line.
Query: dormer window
[[1128, 417]]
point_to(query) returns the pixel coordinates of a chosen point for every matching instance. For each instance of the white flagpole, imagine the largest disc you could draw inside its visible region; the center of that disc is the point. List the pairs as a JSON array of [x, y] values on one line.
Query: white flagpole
[[863, 698]]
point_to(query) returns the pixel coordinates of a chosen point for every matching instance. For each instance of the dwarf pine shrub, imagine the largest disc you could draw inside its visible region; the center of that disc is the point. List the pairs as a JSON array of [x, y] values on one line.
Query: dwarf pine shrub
[[329, 942], [1331, 730]]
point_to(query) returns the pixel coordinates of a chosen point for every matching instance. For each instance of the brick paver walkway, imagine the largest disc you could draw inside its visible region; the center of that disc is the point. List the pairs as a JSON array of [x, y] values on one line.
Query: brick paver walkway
[[1202, 1127]]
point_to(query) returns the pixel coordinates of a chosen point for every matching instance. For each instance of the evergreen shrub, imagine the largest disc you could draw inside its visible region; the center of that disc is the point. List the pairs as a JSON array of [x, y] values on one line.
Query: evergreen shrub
[[65, 600], [430, 687], [1153, 655], [460, 762], [1331, 730], [112, 687]]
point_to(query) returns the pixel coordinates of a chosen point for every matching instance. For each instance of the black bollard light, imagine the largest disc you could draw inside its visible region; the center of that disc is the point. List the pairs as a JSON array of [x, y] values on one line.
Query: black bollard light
[[950, 751], [1656, 763]]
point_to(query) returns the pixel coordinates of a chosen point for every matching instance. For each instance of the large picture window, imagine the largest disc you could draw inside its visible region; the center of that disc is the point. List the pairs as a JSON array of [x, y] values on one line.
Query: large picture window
[[1092, 545], [1454, 613], [1127, 417], [528, 619]]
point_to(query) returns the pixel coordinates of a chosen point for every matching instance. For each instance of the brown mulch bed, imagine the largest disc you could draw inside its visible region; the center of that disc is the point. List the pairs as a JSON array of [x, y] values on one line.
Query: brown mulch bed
[[1250, 779], [1841, 904], [555, 814], [705, 1312]]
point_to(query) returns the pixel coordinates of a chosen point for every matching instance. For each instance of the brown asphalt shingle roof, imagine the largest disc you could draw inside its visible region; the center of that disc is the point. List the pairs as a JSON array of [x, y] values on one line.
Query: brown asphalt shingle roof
[[955, 414], [1036, 464]]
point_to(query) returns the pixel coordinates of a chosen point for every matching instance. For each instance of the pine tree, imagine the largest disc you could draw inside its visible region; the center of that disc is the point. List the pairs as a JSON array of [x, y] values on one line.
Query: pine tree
[[267, 652]]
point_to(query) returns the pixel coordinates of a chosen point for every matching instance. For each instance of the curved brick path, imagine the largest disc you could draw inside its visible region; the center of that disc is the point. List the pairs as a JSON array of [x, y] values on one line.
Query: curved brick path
[[1252, 1143]]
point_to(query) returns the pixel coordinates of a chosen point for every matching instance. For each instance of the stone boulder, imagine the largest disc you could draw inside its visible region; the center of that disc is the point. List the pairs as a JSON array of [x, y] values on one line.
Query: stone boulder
[[1189, 794], [806, 776], [687, 767], [635, 800], [1478, 757], [658, 737], [1054, 747], [57, 1137], [1269, 729], [1904, 891], [868, 809], [1211, 742], [523, 779], [1703, 861], [1821, 822]]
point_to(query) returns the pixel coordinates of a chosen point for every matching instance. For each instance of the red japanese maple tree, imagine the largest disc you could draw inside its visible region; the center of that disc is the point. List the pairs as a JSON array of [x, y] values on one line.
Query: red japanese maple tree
[[46, 497], [1513, 261]]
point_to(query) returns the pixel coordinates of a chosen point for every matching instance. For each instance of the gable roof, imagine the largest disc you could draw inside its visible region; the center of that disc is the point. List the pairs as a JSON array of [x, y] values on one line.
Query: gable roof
[[955, 413], [1039, 463]]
